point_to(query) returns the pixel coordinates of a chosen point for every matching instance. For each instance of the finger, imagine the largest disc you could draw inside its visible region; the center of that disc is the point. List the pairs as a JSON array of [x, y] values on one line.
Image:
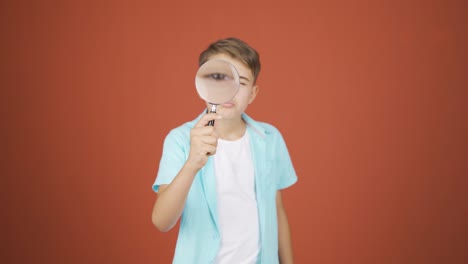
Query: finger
[[207, 117], [209, 140], [210, 150], [202, 145], [203, 131]]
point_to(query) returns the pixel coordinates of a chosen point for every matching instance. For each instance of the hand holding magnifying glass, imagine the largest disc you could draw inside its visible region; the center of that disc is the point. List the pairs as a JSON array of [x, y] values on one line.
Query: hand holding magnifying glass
[[217, 82]]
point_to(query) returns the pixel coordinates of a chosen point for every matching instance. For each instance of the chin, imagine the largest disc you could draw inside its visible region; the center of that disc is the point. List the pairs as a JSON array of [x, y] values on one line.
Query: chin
[[228, 113]]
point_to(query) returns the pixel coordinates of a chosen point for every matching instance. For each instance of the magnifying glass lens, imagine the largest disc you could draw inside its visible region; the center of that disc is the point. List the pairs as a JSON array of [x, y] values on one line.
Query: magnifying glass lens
[[217, 81]]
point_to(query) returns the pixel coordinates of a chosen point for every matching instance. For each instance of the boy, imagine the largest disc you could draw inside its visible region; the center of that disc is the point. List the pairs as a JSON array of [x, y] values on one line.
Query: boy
[[230, 200]]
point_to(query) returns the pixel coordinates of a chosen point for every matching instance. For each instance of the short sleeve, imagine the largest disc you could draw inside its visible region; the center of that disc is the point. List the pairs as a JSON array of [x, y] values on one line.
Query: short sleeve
[[172, 159], [287, 175]]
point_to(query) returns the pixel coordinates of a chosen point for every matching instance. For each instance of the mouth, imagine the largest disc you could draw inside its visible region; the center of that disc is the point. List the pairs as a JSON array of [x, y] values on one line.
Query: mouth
[[228, 104]]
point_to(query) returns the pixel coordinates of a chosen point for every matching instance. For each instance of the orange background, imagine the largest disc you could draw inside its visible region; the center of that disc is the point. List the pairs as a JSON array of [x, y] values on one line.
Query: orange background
[[370, 97]]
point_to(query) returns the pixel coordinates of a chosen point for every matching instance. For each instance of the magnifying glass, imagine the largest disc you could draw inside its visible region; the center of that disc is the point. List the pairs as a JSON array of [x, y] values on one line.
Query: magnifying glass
[[217, 82]]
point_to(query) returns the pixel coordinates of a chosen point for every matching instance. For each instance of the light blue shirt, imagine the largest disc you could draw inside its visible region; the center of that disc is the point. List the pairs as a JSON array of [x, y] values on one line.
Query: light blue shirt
[[199, 238]]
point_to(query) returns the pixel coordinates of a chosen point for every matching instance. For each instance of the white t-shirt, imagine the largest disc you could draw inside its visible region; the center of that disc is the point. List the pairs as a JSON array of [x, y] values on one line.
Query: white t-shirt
[[237, 204]]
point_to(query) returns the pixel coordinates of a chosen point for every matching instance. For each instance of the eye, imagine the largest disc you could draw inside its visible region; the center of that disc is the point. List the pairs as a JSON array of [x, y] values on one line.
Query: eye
[[218, 76]]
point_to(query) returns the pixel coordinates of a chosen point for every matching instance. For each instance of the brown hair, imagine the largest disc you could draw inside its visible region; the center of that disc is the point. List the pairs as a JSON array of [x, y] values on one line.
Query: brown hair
[[237, 49]]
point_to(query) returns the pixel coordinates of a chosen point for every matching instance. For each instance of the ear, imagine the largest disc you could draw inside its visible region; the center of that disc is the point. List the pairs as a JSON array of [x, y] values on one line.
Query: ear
[[254, 93]]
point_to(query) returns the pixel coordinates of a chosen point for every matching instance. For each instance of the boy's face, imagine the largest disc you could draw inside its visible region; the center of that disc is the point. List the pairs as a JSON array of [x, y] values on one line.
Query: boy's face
[[246, 94]]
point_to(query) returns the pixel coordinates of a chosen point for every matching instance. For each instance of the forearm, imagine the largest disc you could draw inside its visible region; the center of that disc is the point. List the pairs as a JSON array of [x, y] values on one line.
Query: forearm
[[284, 238], [171, 199]]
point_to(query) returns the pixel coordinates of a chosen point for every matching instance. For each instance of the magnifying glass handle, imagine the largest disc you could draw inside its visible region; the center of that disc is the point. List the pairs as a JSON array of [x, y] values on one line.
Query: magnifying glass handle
[[212, 110]]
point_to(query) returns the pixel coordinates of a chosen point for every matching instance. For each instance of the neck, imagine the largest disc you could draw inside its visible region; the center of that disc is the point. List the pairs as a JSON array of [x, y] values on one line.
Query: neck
[[230, 129]]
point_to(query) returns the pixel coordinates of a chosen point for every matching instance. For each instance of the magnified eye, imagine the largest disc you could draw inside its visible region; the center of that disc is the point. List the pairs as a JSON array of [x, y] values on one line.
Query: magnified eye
[[218, 76]]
